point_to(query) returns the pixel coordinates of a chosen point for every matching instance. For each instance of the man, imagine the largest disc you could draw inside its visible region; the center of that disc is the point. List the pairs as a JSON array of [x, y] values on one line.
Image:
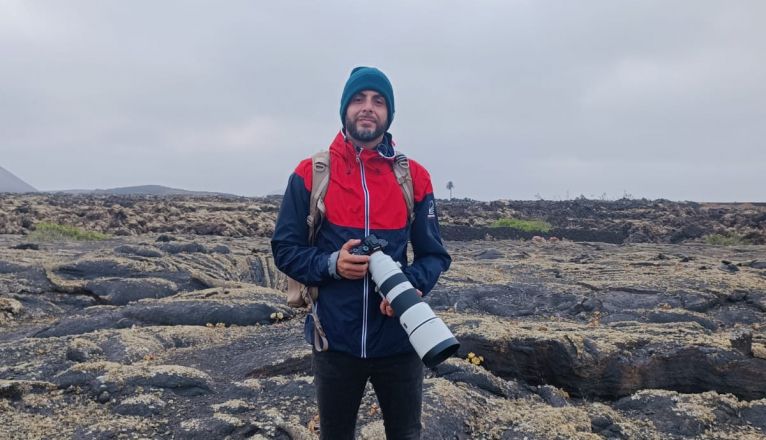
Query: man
[[366, 341]]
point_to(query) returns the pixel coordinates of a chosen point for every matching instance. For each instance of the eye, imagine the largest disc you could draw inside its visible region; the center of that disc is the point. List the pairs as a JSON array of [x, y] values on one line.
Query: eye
[[380, 100]]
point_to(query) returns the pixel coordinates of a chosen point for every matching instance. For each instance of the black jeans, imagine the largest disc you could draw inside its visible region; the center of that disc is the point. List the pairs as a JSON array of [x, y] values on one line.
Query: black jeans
[[340, 380]]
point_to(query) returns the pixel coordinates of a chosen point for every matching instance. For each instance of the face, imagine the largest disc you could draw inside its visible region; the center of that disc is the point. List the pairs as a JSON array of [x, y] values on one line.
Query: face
[[367, 116]]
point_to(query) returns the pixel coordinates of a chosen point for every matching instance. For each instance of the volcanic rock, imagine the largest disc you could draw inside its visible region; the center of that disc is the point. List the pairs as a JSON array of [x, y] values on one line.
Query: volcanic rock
[[578, 339]]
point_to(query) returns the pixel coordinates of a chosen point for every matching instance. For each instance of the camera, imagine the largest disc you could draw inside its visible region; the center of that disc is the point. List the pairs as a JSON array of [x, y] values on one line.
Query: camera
[[428, 334]]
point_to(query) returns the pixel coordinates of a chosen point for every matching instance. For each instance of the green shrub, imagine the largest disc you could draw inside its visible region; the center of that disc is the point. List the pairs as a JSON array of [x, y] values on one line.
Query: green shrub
[[727, 239], [534, 225], [45, 231]]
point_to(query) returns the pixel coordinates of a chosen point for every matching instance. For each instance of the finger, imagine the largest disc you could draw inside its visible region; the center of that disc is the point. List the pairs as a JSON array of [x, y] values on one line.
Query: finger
[[347, 246], [355, 270], [354, 265], [389, 311], [356, 259], [351, 275], [419, 292]]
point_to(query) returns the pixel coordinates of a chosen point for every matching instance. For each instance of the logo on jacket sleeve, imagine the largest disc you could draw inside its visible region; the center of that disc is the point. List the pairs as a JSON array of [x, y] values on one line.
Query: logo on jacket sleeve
[[431, 209]]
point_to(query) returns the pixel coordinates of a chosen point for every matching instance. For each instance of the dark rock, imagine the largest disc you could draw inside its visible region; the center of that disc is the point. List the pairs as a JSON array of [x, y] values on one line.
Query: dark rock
[[583, 370], [121, 291], [16, 389], [221, 249], [755, 415], [183, 248], [698, 301], [180, 312], [104, 397], [461, 371], [514, 300], [662, 316], [99, 268], [208, 428], [755, 264], [624, 299], [264, 273], [688, 232], [742, 341], [600, 422], [141, 251], [81, 350], [727, 266], [488, 254], [24, 279], [591, 304], [552, 396], [27, 246], [144, 405], [8, 267], [198, 312], [737, 296], [87, 269], [91, 320], [583, 259], [165, 238], [113, 378], [11, 390], [757, 299], [440, 422], [738, 314], [661, 409]]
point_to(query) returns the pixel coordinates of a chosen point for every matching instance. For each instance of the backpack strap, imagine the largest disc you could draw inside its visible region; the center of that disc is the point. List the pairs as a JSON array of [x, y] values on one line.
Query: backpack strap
[[320, 180], [404, 178]]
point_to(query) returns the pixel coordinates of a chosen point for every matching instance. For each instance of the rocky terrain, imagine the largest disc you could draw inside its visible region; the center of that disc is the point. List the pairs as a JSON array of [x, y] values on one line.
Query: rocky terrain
[[175, 328], [618, 221]]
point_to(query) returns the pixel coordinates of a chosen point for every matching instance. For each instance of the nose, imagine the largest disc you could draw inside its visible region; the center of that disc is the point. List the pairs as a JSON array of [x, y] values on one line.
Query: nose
[[367, 104]]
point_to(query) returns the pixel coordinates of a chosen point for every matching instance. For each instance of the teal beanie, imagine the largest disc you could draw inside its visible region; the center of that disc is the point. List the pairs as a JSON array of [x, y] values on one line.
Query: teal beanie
[[367, 78]]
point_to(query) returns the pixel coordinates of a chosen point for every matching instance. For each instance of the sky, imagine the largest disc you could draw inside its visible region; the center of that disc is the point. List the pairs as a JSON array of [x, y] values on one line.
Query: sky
[[507, 99]]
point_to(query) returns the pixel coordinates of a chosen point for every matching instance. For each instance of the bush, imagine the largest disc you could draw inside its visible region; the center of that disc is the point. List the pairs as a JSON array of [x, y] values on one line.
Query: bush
[[535, 225], [727, 239], [45, 231]]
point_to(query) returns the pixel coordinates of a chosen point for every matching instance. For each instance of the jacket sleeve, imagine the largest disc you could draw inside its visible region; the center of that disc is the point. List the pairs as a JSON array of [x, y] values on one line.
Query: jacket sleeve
[[289, 245], [430, 255]]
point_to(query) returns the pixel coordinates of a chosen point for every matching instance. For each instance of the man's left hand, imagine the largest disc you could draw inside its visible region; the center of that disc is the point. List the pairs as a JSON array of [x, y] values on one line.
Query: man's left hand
[[386, 309]]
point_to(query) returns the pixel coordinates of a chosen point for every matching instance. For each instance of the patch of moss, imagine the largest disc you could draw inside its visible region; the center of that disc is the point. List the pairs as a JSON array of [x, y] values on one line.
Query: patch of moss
[[45, 231], [534, 225], [727, 239]]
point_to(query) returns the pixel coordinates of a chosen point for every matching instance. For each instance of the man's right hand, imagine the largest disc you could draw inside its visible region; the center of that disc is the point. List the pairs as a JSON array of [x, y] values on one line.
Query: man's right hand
[[352, 267]]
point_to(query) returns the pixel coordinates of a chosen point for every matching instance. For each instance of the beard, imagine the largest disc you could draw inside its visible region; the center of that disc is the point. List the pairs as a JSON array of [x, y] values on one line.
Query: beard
[[364, 134]]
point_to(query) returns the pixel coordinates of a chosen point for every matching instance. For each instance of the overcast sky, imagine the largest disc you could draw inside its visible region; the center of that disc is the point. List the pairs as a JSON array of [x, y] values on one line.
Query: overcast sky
[[507, 99]]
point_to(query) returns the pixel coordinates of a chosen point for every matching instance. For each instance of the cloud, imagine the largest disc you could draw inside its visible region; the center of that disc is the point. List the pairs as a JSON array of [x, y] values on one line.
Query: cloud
[[507, 99]]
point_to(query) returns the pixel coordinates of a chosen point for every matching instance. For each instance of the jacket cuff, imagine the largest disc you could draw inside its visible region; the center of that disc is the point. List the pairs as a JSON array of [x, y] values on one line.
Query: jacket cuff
[[332, 265]]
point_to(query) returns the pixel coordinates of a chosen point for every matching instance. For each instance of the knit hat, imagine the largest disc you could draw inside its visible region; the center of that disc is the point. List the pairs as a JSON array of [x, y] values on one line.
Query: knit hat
[[367, 78]]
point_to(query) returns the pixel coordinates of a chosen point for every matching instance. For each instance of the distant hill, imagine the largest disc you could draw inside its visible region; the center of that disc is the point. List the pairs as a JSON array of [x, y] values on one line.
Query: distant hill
[[149, 190], [9, 183]]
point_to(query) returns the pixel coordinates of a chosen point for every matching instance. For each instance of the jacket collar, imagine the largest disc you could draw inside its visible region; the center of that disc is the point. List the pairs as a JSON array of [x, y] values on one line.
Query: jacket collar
[[341, 144]]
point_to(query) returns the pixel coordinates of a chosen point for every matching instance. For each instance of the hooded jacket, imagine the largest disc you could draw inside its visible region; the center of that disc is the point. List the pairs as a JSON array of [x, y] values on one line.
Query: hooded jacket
[[363, 197]]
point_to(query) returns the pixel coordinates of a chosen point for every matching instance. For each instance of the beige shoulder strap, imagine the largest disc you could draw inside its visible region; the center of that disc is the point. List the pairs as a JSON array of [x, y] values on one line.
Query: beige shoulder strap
[[320, 180], [404, 178]]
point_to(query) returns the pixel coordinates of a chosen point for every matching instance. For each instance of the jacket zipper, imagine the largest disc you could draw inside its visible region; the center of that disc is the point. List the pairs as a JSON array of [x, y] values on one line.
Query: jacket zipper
[[365, 290]]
